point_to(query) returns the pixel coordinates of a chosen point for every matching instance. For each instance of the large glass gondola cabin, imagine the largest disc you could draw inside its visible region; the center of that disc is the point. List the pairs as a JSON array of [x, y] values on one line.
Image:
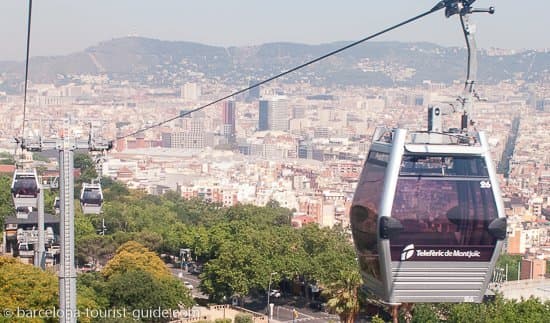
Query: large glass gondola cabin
[[91, 198], [24, 188], [427, 217]]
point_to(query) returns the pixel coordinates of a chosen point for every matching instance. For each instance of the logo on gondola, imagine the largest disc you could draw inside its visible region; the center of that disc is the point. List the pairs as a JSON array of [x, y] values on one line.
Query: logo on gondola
[[485, 184], [407, 252]]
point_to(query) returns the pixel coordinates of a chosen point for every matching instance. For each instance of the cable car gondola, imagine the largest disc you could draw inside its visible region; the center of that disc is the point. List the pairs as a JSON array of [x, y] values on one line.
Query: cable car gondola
[[427, 216], [427, 219], [91, 198], [24, 188]]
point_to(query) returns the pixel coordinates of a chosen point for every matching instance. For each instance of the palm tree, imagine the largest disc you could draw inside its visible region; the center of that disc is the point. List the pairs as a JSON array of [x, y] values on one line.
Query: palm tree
[[343, 295]]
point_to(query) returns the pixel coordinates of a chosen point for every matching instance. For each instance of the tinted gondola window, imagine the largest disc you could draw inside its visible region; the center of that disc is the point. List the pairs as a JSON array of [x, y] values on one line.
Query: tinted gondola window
[[445, 206], [92, 197], [364, 213], [447, 166], [25, 186]]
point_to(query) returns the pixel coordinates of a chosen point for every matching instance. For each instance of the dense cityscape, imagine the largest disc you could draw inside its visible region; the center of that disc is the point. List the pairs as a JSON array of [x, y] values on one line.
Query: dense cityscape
[[294, 147], [300, 145]]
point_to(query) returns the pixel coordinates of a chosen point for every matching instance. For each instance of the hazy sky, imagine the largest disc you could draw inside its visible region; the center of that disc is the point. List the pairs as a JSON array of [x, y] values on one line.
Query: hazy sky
[[65, 26]]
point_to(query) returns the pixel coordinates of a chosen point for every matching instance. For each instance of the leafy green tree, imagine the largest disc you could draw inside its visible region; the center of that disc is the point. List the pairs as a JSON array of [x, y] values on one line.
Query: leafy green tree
[[6, 201], [173, 237], [87, 167], [133, 256], [6, 159], [36, 156], [377, 319], [94, 285], [26, 287], [531, 310], [83, 225], [49, 199], [512, 262], [343, 295], [83, 161], [194, 211], [87, 301], [329, 252], [497, 311], [199, 242], [243, 318], [244, 248], [113, 190], [236, 271], [95, 248], [141, 290], [425, 313]]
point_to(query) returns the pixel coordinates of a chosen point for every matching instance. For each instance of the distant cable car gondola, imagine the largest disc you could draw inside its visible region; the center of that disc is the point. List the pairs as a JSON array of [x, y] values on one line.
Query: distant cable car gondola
[[24, 188], [91, 198], [427, 216]]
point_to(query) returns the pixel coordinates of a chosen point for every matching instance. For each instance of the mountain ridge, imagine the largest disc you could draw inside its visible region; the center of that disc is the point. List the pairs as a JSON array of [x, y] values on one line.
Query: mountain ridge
[[374, 63]]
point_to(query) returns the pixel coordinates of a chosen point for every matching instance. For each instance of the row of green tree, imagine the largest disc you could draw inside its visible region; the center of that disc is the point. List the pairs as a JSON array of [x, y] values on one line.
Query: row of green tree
[[239, 246], [500, 310], [135, 279]]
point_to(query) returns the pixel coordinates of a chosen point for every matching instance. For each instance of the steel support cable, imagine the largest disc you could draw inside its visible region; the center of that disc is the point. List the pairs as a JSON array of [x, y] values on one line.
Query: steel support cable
[[27, 69], [440, 5], [17, 141]]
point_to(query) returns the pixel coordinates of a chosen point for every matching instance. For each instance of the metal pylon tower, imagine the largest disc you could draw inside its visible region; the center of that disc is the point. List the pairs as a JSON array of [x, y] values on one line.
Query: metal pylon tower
[[40, 255], [67, 272], [40, 248]]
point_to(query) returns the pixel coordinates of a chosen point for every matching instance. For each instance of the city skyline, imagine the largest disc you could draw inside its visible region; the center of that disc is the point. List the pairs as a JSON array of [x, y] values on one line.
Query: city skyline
[[247, 23]]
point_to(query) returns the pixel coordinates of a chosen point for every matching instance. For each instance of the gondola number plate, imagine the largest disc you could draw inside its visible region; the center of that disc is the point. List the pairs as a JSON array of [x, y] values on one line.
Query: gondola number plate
[[485, 184]]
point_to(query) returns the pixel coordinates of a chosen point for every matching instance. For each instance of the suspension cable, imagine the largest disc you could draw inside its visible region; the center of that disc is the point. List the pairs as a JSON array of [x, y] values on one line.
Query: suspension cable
[[440, 5], [26, 69]]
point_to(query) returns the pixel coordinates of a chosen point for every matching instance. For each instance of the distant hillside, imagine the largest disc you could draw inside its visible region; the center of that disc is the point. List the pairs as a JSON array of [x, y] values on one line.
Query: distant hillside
[[168, 63]]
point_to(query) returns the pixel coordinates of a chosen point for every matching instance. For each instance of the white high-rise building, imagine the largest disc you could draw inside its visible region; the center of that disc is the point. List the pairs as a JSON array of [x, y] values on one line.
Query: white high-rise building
[[274, 114], [190, 91]]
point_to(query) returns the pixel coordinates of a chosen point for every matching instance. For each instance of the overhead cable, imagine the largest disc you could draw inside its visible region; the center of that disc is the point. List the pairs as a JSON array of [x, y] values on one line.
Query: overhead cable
[[27, 69]]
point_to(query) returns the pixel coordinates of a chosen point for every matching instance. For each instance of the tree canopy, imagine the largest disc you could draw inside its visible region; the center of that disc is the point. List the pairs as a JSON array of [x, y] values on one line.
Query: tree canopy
[[133, 256], [26, 287], [241, 247]]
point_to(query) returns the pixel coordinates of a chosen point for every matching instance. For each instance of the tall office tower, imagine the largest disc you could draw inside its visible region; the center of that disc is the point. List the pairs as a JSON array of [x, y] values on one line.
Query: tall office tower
[[274, 114], [263, 116], [190, 91], [228, 119], [254, 93]]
